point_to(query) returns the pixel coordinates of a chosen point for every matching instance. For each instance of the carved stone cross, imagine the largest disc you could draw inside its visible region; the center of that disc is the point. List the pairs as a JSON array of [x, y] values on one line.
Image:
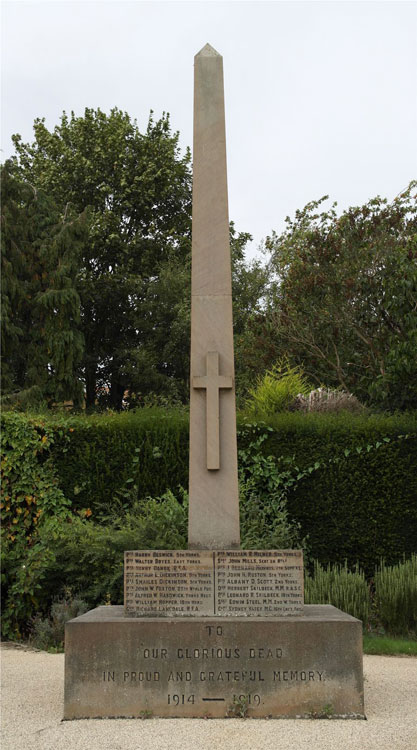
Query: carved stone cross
[[212, 382]]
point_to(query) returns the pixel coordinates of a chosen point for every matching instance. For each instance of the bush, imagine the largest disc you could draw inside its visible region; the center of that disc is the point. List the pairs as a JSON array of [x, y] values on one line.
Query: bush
[[49, 633], [277, 390], [388, 601], [396, 597], [328, 400], [264, 484], [341, 587], [86, 556], [30, 491]]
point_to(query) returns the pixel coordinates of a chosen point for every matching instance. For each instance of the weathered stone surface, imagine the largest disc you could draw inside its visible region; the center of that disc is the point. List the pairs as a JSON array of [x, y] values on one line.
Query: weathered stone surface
[[254, 583], [282, 667], [213, 488]]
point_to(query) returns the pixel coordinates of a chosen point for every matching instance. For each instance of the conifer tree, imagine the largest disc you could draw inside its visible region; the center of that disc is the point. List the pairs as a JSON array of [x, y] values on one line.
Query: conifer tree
[[42, 343]]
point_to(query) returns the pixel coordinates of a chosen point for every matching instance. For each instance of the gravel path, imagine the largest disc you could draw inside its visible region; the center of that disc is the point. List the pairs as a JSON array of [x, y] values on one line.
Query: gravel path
[[32, 702]]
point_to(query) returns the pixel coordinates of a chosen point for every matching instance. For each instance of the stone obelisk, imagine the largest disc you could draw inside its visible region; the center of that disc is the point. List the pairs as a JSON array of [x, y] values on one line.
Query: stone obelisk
[[214, 499], [200, 609]]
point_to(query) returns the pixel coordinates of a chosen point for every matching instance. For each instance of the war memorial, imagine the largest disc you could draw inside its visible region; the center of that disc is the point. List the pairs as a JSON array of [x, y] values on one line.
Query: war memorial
[[214, 630]]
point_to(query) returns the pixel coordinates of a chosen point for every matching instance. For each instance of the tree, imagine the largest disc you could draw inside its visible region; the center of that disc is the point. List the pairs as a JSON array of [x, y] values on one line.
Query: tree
[[42, 343], [344, 302], [138, 191], [163, 360], [250, 283], [133, 276]]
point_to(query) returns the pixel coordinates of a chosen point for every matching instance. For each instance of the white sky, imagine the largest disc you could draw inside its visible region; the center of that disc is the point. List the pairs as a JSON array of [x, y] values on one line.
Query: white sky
[[321, 97]]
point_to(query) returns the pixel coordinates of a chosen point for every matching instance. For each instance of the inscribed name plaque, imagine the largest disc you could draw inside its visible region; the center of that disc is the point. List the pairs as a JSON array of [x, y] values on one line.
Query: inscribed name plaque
[[195, 583], [259, 583], [168, 583]]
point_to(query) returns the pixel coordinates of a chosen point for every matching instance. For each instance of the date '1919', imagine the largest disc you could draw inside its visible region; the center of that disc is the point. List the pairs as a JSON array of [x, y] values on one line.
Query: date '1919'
[[248, 698]]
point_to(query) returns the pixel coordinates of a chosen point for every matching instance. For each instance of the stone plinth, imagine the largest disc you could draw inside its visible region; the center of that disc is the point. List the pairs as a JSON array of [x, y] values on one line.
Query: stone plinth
[[117, 666], [195, 583]]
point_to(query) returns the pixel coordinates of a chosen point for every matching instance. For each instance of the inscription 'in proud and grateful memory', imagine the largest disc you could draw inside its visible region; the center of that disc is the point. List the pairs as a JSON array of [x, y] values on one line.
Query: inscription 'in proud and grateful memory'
[[257, 583]]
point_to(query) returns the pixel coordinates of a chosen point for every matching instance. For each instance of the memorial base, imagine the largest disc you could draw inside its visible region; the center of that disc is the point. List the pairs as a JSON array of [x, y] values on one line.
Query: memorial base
[[280, 667]]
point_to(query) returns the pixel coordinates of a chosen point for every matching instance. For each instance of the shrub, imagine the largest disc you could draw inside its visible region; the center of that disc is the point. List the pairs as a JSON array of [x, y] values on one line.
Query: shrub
[[30, 491], [341, 587], [87, 557], [30, 498], [277, 390], [264, 483], [389, 600], [49, 633], [396, 597], [22, 573], [328, 400]]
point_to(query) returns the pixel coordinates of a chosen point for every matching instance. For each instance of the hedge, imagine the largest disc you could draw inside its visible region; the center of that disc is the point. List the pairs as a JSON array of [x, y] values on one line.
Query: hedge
[[101, 455], [360, 505], [355, 496]]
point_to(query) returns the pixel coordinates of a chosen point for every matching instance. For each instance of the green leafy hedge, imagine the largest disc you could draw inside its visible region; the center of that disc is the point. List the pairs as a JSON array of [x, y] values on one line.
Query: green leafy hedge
[[360, 503], [351, 480], [105, 453], [30, 489]]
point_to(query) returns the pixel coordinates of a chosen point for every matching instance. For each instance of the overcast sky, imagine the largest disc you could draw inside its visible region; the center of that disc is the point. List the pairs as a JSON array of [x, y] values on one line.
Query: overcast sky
[[321, 97]]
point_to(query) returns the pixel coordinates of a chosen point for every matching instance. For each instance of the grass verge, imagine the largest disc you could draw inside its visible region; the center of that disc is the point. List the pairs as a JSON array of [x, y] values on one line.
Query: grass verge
[[384, 646]]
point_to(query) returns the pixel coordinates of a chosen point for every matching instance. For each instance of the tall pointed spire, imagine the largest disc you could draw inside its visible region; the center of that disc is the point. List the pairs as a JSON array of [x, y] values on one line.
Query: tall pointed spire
[[214, 498]]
